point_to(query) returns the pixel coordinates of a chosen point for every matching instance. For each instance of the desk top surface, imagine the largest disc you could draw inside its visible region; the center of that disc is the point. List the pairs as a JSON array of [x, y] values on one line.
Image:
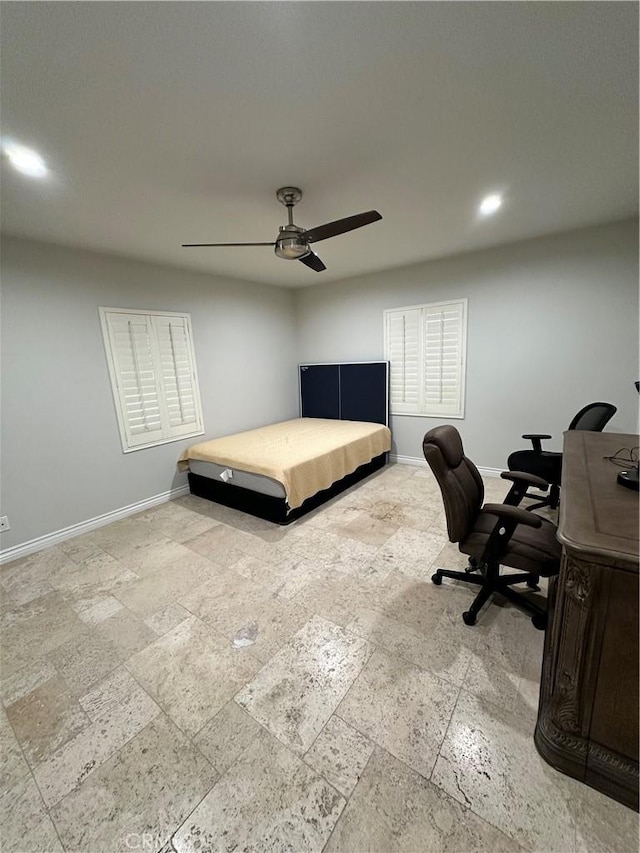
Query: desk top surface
[[597, 515]]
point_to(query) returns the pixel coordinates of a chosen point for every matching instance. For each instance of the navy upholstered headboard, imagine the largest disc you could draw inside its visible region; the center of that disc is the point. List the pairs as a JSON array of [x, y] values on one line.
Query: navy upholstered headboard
[[349, 391]]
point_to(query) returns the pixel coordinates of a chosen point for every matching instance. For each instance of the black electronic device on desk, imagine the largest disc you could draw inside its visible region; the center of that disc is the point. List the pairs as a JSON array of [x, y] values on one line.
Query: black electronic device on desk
[[629, 479]]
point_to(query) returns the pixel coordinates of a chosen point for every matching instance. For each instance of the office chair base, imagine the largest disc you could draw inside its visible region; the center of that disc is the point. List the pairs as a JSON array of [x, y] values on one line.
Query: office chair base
[[491, 581]]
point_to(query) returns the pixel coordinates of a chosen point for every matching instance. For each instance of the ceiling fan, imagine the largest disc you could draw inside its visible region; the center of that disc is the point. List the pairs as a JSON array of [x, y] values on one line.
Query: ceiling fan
[[293, 242]]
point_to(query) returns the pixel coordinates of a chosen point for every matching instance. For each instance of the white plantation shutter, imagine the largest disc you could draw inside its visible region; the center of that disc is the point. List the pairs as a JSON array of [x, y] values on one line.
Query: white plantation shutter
[[177, 374], [443, 358], [403, 352], [135, 387], [153, 375], [426, 345]]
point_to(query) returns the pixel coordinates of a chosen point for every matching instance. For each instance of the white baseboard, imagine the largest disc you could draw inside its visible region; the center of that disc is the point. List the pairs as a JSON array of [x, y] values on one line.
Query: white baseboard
[[408, 460], [50, 539], [421, 463], [490, 472]]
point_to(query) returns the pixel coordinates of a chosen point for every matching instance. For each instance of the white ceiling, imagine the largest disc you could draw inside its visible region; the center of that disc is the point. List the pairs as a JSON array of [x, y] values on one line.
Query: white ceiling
[[166, 123]]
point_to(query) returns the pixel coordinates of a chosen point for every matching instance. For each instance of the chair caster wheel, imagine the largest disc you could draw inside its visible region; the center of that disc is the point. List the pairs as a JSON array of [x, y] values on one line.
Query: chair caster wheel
[[469, 618], [539, 622], [436, 579]]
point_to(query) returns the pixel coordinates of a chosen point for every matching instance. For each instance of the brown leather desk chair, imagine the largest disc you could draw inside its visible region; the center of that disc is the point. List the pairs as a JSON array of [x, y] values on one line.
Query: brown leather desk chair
[[491, 534]]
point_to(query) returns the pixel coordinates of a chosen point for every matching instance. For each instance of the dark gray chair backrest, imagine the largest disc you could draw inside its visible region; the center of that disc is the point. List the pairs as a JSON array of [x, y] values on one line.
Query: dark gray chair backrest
[[593, 417], [459, 479]]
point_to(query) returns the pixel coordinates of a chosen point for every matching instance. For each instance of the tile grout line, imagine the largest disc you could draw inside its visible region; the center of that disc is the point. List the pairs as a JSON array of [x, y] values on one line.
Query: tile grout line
[[446, 731], [235, 761], [108, 758], [35, 782], [469, 805], [347, 800]]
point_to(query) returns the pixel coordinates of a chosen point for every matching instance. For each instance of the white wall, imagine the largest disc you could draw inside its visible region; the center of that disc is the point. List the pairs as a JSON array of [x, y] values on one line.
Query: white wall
[[553, 325], [62, 460]]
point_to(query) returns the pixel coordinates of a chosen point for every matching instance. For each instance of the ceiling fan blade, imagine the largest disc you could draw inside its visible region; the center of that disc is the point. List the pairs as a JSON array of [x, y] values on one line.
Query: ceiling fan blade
[[312, 261], [341, 226], [191, 245]]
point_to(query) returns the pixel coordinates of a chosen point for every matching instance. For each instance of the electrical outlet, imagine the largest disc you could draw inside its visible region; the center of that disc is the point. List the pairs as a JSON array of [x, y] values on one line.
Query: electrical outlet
[[4, 523]]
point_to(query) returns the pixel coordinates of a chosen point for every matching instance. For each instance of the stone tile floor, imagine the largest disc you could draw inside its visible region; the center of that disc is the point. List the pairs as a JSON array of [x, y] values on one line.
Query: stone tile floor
[[194, 679]]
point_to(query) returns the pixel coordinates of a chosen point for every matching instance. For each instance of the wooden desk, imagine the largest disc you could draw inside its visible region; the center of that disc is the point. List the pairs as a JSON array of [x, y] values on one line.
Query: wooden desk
[[588, 714]]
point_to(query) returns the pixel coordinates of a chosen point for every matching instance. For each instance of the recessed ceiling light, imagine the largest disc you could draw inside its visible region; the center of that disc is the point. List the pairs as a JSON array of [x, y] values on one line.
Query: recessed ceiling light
[[25, 160], [490, 204]]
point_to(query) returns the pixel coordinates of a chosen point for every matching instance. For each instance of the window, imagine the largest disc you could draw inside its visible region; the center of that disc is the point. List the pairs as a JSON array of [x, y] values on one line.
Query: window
[[426, 345], [153, 375]]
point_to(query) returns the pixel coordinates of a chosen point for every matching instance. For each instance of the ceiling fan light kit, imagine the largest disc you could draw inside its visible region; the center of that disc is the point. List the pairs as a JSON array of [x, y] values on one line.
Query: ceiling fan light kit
[[293, 242]]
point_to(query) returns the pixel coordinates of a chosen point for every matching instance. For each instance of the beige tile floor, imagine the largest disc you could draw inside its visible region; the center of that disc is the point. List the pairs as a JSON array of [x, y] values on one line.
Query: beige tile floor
[[194, 679]]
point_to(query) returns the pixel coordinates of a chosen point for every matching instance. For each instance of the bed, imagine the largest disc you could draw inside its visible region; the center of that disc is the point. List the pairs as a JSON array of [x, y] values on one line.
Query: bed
[[281, 471]]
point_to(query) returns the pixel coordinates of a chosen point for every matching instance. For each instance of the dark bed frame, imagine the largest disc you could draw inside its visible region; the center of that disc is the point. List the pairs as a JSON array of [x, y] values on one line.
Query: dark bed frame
[[269, 507], [353, 391]]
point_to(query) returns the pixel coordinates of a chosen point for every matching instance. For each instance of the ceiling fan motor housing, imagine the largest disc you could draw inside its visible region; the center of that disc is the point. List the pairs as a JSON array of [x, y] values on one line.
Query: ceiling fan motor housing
[[291, 244]]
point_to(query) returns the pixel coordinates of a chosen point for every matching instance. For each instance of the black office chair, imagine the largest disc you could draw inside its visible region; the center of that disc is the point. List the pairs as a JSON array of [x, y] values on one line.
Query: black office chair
[[548, 464], [491, 534]]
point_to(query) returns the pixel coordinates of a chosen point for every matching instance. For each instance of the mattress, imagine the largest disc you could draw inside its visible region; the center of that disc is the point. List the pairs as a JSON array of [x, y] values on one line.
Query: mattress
[[244, 479], [304, 455]]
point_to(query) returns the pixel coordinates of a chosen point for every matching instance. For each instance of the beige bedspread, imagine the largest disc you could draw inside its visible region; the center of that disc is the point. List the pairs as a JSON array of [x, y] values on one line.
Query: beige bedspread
[[306, 455]]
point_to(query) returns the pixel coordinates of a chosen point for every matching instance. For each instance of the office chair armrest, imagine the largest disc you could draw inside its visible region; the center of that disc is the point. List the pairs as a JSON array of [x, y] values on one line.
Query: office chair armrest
[[508, 519], [523, 477], [536, 439], [513, 514], [521, 482]]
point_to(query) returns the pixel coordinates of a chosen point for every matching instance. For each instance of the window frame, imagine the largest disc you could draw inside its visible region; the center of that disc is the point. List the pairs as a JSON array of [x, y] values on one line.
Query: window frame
[[421, 309], [115, 377]]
